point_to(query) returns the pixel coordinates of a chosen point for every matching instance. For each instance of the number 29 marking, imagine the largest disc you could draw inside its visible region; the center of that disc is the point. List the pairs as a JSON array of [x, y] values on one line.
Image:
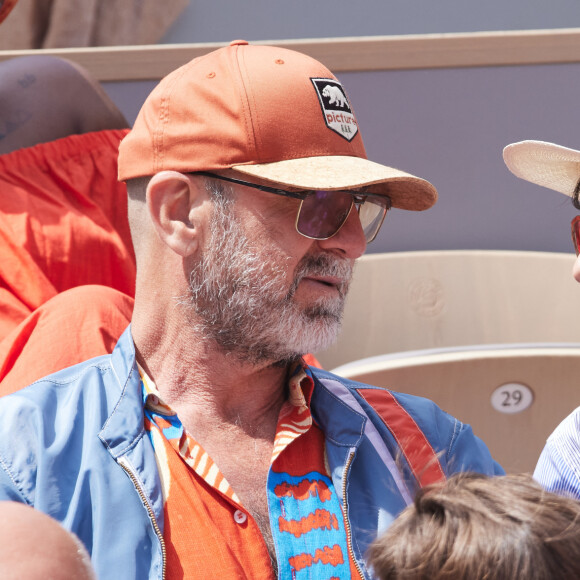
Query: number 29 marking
[[512, 398]]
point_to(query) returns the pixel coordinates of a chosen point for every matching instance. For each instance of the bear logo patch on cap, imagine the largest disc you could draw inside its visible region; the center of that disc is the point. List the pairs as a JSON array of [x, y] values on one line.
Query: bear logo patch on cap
[[335, 107]]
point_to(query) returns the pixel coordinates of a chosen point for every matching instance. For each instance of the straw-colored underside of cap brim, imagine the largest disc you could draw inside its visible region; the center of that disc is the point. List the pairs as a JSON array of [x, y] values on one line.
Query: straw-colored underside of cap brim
[[546, 164], [342, 172]]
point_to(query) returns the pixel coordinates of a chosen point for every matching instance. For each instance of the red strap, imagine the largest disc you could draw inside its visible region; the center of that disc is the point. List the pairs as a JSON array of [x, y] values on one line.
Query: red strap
[[412, 441]]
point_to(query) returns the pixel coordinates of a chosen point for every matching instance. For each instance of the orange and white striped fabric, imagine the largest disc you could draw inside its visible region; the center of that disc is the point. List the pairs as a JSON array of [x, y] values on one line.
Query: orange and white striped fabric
[[207, 531]]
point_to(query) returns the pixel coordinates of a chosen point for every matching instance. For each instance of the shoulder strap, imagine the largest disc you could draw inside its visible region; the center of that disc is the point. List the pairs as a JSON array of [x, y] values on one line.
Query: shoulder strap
[[415, 447]]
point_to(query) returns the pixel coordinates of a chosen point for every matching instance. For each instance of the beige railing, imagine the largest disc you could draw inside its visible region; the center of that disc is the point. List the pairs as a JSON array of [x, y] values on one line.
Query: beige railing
[[345, 54]]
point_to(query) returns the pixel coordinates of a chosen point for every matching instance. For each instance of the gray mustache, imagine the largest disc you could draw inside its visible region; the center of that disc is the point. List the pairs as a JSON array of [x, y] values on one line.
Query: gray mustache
[[324, 265]]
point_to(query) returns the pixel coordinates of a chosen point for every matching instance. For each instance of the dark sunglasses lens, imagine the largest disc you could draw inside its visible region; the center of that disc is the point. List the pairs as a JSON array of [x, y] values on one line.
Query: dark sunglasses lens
[[322, 213], [576, 234]]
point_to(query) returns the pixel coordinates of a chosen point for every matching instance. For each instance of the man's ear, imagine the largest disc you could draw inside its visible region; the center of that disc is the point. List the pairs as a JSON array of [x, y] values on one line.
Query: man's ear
[[170, 199]]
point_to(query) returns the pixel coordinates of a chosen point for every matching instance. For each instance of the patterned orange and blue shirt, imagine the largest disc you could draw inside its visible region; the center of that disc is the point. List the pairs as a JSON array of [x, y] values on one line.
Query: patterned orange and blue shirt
[[207, 531]]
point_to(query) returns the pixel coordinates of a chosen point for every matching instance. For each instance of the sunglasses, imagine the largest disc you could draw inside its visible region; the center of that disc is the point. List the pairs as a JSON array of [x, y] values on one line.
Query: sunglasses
[[576, 233], [322, 213]]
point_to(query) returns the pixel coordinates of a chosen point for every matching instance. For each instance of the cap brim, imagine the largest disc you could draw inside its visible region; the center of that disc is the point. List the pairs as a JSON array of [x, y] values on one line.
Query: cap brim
[[342, 172], [546, 164]]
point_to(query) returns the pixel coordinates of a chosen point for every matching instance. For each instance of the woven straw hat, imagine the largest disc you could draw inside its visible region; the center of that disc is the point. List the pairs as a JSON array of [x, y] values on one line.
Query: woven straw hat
[[546, 164]]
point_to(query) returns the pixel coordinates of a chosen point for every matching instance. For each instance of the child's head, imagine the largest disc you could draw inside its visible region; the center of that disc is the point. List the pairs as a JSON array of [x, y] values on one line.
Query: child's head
[[474, 527]]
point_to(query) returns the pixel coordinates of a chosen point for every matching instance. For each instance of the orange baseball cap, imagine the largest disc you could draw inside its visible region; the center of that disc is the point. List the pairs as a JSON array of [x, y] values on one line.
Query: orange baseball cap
[[265, 112], [5, 8]]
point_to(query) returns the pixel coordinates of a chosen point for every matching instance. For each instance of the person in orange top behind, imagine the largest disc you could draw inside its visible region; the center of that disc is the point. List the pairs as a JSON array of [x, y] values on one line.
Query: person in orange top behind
[[67, 267]]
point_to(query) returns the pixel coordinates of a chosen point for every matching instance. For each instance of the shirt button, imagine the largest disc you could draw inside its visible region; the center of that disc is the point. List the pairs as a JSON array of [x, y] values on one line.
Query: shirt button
[[240, 517]]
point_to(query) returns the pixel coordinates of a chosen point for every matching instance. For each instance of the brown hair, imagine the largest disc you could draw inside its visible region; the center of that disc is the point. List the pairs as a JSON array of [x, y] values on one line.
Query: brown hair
[[473, 527]]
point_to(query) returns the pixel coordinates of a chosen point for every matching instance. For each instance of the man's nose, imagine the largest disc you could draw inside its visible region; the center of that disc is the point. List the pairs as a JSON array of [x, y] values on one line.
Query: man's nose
[[350, 240]]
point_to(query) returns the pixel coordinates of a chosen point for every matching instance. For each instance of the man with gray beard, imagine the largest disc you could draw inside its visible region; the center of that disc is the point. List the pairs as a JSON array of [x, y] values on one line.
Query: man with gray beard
[[254, 315], [203, 446]]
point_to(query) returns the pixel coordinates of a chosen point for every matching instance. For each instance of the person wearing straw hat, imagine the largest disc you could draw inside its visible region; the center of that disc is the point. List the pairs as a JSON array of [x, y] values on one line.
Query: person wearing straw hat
[[203, 446], [557, 168]]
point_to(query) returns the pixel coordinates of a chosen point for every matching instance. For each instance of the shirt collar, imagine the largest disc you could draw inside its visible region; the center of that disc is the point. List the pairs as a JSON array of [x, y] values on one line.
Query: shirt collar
[[151, 395], [300, 385], [300, 388]]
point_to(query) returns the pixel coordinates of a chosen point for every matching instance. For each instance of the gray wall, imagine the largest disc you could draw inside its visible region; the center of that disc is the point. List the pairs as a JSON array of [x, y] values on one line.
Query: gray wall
[[224, 20], [449, 126]]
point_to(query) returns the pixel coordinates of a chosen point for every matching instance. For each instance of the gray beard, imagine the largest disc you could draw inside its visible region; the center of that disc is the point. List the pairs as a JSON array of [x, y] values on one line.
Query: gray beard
[[242, 302]]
